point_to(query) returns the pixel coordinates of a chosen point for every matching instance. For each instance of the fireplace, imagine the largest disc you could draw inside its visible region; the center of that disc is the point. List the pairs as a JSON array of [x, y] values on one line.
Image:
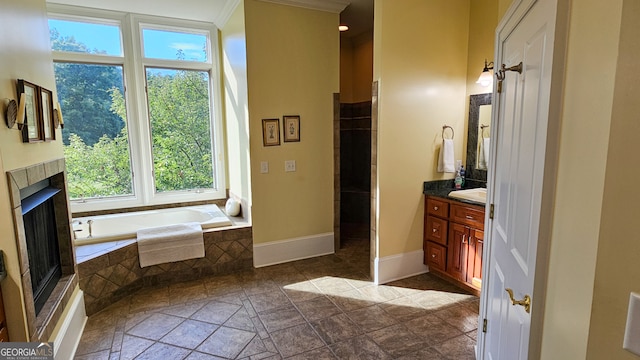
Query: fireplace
[[39, 218], [43, 236]]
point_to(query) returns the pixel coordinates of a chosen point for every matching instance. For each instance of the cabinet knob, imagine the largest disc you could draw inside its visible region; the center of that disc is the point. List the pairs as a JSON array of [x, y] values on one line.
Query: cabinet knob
[[435, 208], [434, 230], [469, 217], [433, 255]]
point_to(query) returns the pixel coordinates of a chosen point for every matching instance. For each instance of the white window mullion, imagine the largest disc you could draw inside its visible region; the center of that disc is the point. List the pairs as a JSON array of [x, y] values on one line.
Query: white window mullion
[[143, 143]]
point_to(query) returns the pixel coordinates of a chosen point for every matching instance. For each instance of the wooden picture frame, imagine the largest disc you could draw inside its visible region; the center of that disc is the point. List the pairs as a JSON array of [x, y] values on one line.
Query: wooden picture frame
[[48, 124], [271, 132], [32, 129], [291, 125]]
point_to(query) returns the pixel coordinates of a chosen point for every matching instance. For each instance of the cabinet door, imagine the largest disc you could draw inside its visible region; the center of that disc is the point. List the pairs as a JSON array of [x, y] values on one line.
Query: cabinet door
[[457, 251], [436, 230], [474, 262], [435, 256]]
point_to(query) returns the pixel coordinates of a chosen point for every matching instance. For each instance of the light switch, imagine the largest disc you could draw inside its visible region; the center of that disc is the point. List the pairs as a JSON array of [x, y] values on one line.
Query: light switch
[[264, 167], [289, 165], [632, 332]]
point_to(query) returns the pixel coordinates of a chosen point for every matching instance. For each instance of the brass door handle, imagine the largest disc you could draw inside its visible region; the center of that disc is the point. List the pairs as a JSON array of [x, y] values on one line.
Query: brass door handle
[[526, 301]]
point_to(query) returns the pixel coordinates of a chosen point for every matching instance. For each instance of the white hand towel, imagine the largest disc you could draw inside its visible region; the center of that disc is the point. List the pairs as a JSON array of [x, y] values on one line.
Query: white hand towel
[[446, 162], [482, 159], [485, 149], [170, 243]]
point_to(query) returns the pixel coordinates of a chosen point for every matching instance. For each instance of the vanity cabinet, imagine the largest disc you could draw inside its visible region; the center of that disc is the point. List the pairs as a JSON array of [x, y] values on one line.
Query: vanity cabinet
[[454, 240]]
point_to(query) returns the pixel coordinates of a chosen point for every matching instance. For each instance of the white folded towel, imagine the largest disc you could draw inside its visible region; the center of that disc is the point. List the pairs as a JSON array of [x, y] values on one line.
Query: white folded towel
[[482, 159], [485, 150], [170, 243], [446, 162]]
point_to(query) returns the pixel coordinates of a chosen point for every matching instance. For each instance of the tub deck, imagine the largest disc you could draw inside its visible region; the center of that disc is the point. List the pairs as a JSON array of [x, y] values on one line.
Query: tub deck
[[111, 270]]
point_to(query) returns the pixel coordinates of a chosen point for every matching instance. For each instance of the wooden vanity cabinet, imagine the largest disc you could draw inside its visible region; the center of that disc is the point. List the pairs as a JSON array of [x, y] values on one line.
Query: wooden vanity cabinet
[[454, 240]]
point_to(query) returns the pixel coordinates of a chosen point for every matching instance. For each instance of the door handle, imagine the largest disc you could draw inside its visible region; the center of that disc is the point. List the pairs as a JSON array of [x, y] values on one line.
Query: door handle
[[526, 301]]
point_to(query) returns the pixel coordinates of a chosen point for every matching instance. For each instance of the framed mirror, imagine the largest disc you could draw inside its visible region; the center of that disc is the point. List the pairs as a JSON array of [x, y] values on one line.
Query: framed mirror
[[478, 136]]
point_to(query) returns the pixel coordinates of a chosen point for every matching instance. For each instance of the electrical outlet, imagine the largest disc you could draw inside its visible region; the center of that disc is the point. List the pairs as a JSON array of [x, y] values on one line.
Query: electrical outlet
[[264, 167], [289, 165]]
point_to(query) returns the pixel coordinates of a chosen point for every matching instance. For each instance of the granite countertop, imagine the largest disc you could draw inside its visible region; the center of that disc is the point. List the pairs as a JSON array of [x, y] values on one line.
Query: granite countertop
[[442, 188]]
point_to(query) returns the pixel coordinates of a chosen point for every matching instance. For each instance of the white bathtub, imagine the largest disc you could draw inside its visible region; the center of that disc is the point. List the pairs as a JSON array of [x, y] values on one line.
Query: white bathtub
[[125, 225]]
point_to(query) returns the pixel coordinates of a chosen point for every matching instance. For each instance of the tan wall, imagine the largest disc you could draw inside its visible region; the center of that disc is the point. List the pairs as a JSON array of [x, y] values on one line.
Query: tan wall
[[420, 60], [503, 6], [346, 70], [617, 270], [234, 64], [356, 68], [24, 54], [483, 19], [584, 140], [293, 69]]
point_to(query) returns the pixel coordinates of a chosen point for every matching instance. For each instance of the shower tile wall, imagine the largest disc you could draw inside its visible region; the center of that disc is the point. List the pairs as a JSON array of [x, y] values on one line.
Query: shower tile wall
[[355, 169]]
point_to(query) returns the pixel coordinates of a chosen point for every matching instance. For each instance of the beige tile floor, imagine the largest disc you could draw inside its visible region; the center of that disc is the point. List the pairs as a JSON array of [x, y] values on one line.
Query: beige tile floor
[[320, 308]]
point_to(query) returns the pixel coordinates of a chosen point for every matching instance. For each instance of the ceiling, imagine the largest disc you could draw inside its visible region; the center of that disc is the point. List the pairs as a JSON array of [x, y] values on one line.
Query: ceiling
[[358, 14]]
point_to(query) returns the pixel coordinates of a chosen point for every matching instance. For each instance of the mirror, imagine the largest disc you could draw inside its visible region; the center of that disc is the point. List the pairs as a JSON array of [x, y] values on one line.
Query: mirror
[[478, 136]]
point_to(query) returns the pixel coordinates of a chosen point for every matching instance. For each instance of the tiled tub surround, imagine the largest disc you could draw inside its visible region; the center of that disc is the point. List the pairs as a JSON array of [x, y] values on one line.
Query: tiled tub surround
[[111, 271], [40, 327]]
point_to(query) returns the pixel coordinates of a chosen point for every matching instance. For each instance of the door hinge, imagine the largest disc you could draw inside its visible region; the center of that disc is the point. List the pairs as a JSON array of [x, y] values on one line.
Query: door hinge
[[491, 212], [484, 325]]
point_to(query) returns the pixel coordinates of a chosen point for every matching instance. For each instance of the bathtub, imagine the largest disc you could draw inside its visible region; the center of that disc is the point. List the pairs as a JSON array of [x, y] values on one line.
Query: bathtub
[[125, 225]]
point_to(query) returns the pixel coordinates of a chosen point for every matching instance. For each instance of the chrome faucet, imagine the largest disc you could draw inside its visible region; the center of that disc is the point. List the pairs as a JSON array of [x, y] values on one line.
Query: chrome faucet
[[90, 222]]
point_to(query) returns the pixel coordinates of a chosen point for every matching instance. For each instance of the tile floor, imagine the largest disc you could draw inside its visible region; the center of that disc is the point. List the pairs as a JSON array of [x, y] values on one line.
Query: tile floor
[[320, 308]]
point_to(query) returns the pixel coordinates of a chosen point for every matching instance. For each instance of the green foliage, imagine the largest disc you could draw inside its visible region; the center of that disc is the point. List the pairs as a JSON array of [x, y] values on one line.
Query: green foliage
[[180, 129], [95, 134]]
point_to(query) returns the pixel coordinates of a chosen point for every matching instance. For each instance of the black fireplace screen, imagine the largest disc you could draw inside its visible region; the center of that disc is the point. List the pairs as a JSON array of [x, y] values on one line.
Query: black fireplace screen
[[42, 247]]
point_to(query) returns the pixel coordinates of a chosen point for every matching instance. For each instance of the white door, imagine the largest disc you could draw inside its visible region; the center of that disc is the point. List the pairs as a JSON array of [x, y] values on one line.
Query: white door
[[515, 180]]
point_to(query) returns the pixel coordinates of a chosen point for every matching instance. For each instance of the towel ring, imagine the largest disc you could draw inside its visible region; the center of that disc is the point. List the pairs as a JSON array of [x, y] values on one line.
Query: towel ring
[[448, 127], [482, 127]]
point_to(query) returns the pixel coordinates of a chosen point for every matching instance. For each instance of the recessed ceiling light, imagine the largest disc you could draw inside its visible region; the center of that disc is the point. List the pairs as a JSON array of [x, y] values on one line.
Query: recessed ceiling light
[[343, 28]]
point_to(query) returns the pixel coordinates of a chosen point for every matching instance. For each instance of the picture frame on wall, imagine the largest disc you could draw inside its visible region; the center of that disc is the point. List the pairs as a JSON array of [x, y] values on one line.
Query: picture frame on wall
[[271, 132], [291, 124], [48, 126], [32, 129]]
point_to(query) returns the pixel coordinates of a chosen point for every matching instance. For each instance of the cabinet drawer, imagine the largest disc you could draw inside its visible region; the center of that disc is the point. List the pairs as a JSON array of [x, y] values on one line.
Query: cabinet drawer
[[435, 256], [436, 230], [468, 215], [437, 208]]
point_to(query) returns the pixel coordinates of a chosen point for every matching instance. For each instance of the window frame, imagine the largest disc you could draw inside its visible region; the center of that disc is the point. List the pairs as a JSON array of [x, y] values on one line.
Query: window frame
[[138, 122]]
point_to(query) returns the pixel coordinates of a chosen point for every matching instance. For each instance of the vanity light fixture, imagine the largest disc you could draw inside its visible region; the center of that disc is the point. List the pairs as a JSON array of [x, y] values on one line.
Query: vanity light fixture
[[15, 112], [486, 78], [343, 28]]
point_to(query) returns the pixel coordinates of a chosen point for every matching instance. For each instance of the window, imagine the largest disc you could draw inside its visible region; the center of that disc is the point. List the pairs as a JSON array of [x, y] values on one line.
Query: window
[[138, 96]]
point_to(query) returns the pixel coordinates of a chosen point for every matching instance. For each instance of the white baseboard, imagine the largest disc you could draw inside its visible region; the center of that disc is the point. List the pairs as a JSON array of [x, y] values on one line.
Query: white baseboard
[[67, 338], [396, 267], [278, 252]]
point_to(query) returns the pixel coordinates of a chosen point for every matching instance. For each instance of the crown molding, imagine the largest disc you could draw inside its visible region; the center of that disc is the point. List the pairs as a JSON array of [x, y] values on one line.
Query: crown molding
[[333, 6], [226, 12]]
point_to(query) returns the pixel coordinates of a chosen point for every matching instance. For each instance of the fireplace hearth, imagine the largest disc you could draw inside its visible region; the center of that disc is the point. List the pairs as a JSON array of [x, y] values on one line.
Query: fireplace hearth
[[42, 225]]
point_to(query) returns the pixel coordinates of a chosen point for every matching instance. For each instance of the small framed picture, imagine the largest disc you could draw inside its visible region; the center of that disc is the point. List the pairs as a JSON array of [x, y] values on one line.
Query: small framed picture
[[48, 125], [32, 129], [271, 132], [291, 124]]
